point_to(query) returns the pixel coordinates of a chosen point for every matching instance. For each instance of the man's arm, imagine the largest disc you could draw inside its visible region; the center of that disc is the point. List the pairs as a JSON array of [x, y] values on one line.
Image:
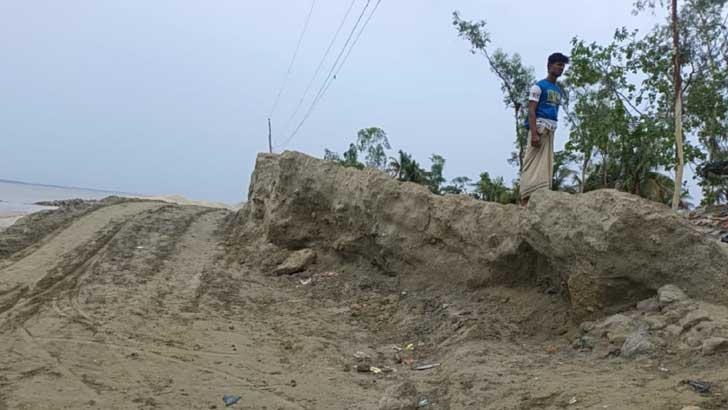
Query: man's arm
[[535, 138], [534, 95]]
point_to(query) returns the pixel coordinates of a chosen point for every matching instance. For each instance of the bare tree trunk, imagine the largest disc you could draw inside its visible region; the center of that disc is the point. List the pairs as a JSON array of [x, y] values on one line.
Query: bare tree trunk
[[584, 165], [678, 111]]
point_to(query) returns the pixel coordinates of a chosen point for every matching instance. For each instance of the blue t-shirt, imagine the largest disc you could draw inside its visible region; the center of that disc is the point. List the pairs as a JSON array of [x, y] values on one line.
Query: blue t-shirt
[[549, 100]]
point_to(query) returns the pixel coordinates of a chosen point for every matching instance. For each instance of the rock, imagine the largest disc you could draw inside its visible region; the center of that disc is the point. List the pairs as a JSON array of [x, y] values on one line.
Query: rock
[[610, 249], [655, 322], [649, 305], [670, 294], [692, 340], [296, 262], [714, 345], [636, 344], [616, 328], [693, 318], [587, 326], [363, 367], [690, 408], [675, 312], [402, 396], [673, 330]]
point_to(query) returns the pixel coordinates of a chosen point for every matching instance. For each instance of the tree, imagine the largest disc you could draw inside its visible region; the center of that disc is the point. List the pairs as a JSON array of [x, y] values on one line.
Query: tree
[[515, 78], [408, 169], [694, 43], [458, 185], [373, 142], [492, 190], [351, 158], [435, 177], [563, 176], [623, 124]]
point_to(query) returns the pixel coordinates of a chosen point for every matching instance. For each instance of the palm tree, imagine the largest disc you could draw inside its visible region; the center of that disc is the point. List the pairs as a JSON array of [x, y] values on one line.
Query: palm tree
[[564, 178]]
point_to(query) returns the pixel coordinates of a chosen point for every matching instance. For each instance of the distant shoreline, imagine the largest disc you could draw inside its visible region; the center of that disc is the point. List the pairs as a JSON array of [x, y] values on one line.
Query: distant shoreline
[[11, 181]]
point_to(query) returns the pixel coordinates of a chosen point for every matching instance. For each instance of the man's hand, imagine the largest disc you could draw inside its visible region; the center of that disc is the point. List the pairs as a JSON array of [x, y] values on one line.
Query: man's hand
[[535, 139]]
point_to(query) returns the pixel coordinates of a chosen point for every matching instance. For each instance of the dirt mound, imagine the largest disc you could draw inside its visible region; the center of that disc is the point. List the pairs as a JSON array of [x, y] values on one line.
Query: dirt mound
[[149, 305], [602, 251]]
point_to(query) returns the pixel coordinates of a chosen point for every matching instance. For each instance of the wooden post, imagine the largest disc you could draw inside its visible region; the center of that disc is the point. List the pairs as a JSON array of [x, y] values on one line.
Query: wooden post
[[270, 141]]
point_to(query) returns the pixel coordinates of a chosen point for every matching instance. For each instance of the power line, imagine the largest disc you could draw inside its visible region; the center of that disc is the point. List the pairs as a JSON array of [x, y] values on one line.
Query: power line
[[321, 91], [328, 76], [321, 63], [353, 44], [293, 59]]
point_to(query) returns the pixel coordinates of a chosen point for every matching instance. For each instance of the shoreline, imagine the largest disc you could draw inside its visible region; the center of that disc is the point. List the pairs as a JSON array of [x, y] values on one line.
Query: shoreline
[[7, 221]]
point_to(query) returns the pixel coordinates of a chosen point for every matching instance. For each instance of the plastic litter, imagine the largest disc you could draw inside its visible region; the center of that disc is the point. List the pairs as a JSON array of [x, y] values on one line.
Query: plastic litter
[[230, 399], [423, 403], [375, 370], [427, 366], [573, 400], [699, 386]]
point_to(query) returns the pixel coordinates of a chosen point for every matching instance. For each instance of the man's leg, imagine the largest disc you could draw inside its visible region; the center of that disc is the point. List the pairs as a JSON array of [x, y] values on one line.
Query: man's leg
[[537, 167]]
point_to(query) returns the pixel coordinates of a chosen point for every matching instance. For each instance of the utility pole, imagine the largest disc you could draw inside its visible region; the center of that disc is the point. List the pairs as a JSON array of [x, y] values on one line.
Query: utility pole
[[270, 143]]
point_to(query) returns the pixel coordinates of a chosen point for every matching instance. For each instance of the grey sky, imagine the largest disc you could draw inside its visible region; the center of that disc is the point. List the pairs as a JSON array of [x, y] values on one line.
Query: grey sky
[[161, 97]]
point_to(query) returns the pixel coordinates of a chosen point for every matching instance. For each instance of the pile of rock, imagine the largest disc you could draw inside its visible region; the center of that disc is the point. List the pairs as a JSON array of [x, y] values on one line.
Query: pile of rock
[[670, 321]]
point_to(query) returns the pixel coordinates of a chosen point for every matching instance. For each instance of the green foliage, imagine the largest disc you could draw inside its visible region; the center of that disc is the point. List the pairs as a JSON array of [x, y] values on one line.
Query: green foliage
[[620, 103], [493, 190], [458, 186], [374, 143], [435, 176], [351, 158], [564, 178], [370, 141]]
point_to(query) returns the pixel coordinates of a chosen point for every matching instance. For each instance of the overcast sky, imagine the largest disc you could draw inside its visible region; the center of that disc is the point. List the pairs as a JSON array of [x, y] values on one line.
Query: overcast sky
[[163, 97]]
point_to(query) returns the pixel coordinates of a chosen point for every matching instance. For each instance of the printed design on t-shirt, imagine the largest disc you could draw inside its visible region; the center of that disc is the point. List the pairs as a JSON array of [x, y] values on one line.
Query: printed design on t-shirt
[[553, 97]]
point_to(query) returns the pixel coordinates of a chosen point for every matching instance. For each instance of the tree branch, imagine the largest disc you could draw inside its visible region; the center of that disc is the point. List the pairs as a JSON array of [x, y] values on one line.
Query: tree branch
[[500, 75]]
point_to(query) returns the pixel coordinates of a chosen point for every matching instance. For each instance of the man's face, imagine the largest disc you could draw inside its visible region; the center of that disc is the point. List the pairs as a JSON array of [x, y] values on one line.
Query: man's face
[[556, 69]]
